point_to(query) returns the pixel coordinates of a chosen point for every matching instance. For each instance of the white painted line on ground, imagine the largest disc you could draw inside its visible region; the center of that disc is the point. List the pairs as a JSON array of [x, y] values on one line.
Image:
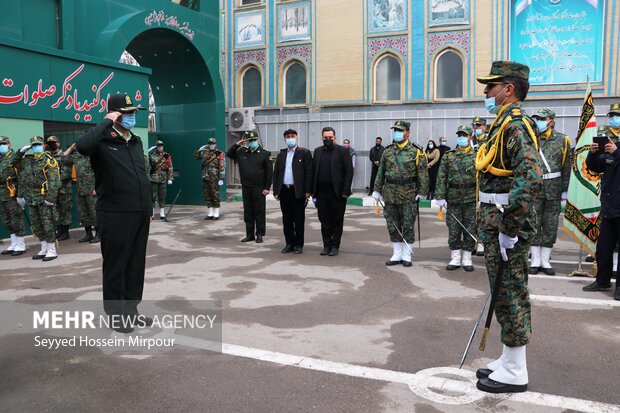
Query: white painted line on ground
[[561, 277], [609, 302], [423, 383]]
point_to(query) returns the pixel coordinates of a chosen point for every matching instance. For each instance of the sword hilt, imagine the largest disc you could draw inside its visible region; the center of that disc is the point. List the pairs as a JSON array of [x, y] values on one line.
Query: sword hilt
[[483, 342]]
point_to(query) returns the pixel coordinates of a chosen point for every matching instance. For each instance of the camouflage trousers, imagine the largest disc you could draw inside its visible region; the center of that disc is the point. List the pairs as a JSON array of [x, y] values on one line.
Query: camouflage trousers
[[158, 193], [42, 222], [12, 217], [211, 191], [548, 212], [513, 307], [86, 209], [63, 209], [458, 238], [401, 217]]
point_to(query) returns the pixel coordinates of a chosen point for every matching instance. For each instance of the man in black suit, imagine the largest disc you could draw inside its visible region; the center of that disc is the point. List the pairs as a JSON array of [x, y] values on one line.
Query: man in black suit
[[292, 185], [375, 156], [333, 174]]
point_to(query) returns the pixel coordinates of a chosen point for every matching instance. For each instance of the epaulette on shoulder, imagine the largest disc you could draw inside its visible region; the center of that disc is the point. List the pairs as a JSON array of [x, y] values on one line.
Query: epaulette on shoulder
[[417, 146], [516, 113]]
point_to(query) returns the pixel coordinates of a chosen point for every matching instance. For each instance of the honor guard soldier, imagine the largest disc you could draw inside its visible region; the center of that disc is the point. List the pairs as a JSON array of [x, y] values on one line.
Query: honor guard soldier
[[256, 171], [38, 185], [86, 198], [554, 150], [11, 212], [480, 136], [510, 181], [65, 193], [213, 172], [161, 175], [402, 178], [456, 191]]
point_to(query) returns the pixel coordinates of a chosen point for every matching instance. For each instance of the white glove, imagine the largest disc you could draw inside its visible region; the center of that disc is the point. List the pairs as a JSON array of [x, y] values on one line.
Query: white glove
[[441, 203], [21, 201], [314, 201], [419, 197], [48, 203], [564, 195], [169, 181], [377, 196], [151, 148], [25, 148], [506, 243], [220, 182], [203, 147]]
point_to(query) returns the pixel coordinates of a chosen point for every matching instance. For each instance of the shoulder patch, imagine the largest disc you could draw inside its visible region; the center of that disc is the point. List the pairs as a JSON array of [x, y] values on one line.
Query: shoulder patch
[[511, 142], [415, 145]]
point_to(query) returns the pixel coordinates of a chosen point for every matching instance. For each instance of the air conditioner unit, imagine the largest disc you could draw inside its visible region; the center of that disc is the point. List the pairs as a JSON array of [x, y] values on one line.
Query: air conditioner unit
[[241, 120]]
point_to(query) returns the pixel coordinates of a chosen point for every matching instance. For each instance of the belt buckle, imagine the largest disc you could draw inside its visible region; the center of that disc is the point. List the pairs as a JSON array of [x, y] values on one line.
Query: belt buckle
[[498, 205]]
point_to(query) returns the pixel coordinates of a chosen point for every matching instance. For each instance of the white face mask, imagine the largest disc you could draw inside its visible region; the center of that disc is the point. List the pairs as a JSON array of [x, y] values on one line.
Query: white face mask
[[431, 146]]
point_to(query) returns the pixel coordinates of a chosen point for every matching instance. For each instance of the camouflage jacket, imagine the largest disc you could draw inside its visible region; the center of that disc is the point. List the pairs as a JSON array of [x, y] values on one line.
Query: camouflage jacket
[[481, 139], [65, 174], [213, 163], [8, 177], [555, 147], [402, 174], [516, 152], [456, 181], [161, 167], [38, 177], [85, 177]]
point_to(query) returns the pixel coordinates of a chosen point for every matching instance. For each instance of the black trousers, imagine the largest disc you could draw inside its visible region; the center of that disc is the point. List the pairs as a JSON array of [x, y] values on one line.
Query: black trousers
[[330, 209], [605, 245], [293, 216], [373, 176], [124, 236], [253, 210]]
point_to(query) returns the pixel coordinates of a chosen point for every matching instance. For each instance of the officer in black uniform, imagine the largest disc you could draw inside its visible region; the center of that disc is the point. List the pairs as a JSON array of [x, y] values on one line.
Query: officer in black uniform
[[256, 171], [123, 208]]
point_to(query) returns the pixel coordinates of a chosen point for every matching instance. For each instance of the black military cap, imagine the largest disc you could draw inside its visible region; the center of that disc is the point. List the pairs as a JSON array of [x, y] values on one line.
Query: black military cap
[[290, 132], [250, 135], [121, 102], [614, 108]]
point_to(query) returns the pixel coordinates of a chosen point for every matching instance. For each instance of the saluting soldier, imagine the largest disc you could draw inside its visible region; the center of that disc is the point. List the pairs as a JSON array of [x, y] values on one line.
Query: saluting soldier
[[161, 175], [510, 182], [10, 211], [65, 193], [213, 172], [38, 185], [456, 191], [401, 180], [555, 153], [86, 198]]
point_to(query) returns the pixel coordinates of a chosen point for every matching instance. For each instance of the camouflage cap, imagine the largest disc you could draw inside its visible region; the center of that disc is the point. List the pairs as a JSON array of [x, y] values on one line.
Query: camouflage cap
[[53, 138], [544, 113], [603, 130], [466, 129], [401, 125], [159, 142], [250, 135], [614, 108], [212, 140], [5, 139], [36, 140], [479, 121], [503, 68]]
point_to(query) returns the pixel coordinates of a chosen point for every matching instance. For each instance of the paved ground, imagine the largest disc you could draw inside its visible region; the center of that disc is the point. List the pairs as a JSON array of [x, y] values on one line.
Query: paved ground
[[309, 333]]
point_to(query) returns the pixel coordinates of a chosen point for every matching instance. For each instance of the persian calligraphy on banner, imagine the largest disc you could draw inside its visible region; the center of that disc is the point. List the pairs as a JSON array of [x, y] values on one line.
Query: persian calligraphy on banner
[[560, 40]]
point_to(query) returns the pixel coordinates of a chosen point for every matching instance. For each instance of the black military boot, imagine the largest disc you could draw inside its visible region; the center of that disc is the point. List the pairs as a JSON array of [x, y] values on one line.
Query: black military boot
[[89, 234], [63, 233], [97, 238]]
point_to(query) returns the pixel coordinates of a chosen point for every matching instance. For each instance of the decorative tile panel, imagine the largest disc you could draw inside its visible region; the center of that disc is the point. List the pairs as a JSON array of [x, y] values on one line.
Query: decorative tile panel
[[438, 41], [376, 45], [303, 53], [253, 56]]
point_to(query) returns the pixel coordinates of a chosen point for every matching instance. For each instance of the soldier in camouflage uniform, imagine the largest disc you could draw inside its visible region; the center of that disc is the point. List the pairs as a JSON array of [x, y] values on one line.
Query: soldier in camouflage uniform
[[213, 170], [480, 137], [510, 182], [65, 193], [401, 180], [38, 185], [86, 196], [160, 176], [554, 150], [456, 191], [10, 211]]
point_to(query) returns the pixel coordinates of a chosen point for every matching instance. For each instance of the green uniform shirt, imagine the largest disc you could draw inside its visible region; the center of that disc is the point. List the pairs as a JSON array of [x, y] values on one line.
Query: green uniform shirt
[[213, 163], [85, 177], [161, 167], [556, 150], [456, 181], [402, 174], [38, 177], [8, 176]]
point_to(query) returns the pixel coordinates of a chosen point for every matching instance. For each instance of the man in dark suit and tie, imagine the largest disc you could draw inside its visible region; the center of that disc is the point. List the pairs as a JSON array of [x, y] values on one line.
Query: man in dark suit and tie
[[333, 174], [292, 186]]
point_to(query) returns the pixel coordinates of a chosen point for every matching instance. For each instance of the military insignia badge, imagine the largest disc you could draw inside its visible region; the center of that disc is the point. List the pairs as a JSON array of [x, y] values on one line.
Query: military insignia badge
[[128, 100], [516, 112], [113, 134], [511, 143]]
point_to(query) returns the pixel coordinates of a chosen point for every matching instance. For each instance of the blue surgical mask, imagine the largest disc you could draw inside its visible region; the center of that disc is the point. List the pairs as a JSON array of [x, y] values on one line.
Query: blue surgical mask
[[37, 149], [253, 144], [4, 149], [491, 105], [614, 121], [129, 121], [478, 132], [542, 125], [462, 141], [211, 147], [398, 136], [291, 142]]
